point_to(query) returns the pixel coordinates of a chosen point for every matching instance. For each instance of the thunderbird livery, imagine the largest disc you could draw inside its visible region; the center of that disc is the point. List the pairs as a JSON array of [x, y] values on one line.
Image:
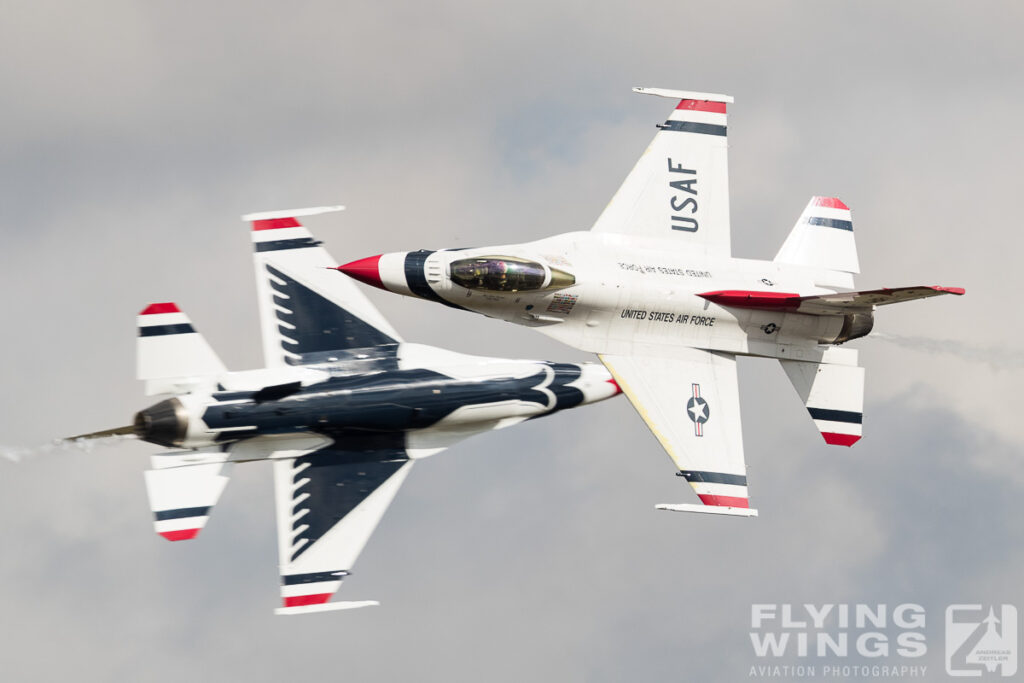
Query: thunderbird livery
[[653, 289], [343, 408]]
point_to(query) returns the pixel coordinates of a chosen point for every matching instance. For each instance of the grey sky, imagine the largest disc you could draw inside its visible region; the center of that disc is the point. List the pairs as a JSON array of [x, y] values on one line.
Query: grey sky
[[136, 133]]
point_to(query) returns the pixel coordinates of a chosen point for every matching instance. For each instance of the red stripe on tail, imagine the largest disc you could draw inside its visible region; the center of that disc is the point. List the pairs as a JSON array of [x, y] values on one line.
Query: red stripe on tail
[[724, 501], [834, 439], [830, 203], [302, 600], [702, 105], [180, 534], [275, 223], [160, 308]]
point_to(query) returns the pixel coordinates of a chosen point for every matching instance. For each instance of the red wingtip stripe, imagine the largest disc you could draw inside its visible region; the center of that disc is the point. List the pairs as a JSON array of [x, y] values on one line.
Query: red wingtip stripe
[[160, 308], [951, 290], [702, 105], [833, 439], [830, 203], [723, 501], [302, 600], [618, 389], [180, 534], [275, 223]]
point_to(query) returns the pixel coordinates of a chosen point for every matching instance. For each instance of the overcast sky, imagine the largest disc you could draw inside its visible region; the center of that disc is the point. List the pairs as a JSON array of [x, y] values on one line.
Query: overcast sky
[[135, 133]]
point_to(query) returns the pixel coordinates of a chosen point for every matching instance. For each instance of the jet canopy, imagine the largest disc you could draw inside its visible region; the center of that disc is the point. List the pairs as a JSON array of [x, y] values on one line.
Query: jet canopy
[[507, 274]]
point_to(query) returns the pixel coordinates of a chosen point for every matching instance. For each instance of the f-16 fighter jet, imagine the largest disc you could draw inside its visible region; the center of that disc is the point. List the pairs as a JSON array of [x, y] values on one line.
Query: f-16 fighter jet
[[653, 289], [343, 408]]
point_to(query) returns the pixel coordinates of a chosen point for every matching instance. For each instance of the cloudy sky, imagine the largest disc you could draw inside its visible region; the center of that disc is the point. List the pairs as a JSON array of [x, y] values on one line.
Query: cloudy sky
[[135, 133]]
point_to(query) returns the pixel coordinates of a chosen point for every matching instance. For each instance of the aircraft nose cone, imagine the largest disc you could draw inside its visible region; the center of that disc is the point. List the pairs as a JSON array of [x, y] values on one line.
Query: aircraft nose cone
[[365, 270]]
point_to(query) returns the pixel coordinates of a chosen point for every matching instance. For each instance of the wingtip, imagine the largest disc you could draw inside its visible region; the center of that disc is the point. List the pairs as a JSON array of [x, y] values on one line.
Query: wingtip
[[291, 213], [835, 439], [166, 307], [684, 94], [830, 203], [325, 607], [958, 291]]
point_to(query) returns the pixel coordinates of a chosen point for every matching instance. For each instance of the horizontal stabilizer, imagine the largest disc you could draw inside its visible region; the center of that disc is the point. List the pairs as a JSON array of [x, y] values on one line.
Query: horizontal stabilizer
[[707, 509], [181, 495], [834, 396], [840, 303], [171, 356]]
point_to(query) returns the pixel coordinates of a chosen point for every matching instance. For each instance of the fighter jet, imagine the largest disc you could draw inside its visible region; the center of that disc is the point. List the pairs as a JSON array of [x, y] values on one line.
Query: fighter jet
[[653, 289], [343, 409]]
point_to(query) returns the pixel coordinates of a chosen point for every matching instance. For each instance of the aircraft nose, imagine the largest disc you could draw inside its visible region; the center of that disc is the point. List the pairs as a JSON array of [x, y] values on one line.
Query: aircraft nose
[[366, 270]]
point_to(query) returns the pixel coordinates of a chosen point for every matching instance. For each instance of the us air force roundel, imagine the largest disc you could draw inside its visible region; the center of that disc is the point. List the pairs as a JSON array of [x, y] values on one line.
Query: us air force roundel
[[698, 410]]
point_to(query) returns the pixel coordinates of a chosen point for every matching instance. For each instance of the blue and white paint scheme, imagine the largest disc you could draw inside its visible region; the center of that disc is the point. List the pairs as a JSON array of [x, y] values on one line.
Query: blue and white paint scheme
[[343, 408]]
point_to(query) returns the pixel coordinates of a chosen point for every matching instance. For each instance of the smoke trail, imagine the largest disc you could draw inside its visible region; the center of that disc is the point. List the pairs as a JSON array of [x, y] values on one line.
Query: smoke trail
[[19, 453], [993, 356]]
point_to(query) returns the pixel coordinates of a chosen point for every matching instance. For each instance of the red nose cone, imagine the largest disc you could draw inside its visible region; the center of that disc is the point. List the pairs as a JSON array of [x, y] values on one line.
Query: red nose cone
[[365, 270]]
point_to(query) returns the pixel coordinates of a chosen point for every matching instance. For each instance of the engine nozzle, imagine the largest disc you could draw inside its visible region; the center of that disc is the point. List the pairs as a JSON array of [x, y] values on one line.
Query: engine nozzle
[[164, 423], [855, 325]]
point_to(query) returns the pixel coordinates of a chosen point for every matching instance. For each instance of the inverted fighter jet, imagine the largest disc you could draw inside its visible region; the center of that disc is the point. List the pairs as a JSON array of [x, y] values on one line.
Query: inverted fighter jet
[[653, 289], [343, 408]]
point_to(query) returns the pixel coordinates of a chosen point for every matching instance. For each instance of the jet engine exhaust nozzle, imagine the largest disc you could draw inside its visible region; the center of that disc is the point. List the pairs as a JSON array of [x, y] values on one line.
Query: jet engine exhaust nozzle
[[855, 325], [164, 423]]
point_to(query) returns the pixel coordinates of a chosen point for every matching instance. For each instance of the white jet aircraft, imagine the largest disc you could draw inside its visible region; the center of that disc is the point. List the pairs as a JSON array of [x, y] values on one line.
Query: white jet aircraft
[[343, 408], [653, 289]]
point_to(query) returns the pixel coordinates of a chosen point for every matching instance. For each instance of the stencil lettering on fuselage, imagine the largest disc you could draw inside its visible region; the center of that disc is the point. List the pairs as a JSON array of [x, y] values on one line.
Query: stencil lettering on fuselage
[[666, 317]]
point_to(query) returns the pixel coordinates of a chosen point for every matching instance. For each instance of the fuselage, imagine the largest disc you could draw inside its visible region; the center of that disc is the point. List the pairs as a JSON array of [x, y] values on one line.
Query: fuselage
[[609, 293], [379, 397]]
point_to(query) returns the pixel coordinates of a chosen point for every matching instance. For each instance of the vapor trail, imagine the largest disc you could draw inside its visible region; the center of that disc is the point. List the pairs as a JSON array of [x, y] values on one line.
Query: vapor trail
[[996, 357], [19, 453]]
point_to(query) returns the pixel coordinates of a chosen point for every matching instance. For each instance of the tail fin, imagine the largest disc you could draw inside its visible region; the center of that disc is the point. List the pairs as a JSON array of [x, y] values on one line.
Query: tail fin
[[823, 238], [171, 356], [834, 396], [181, 493]]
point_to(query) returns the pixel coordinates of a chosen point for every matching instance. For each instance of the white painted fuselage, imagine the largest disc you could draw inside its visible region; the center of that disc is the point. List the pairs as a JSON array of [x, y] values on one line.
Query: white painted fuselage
[[638, 295]]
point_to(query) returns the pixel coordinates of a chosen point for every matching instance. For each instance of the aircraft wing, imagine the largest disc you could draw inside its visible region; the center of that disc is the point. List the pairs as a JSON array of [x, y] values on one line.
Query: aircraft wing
[[679, 189], [691, 404], [329, 501], [305, 308]]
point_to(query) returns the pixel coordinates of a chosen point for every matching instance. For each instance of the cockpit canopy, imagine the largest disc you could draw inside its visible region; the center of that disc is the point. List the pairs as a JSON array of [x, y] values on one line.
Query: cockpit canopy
[[507, 274]]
